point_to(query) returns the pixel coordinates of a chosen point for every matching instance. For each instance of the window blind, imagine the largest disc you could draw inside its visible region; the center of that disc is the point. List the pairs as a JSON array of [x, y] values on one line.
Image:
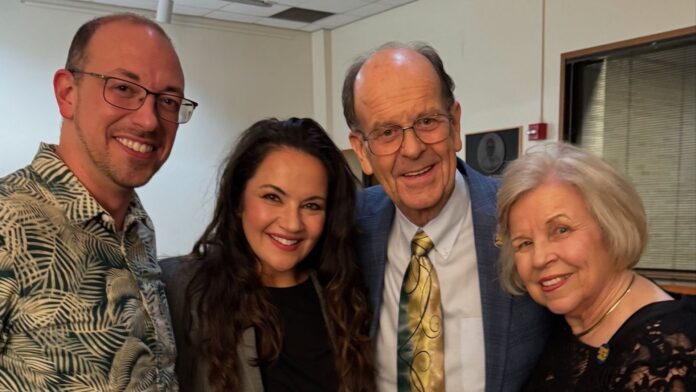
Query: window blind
[[638, 111]]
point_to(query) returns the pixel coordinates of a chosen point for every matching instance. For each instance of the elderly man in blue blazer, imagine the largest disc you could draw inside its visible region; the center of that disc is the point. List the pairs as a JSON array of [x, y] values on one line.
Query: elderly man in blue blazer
[[405, 129]]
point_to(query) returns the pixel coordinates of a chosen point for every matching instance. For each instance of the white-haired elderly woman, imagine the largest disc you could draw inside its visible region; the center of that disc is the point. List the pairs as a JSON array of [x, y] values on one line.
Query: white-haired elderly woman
[[572, 228]]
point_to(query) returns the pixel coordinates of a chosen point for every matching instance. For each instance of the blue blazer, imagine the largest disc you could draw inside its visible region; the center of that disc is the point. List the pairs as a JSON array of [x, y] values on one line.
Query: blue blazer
[[515, 328]]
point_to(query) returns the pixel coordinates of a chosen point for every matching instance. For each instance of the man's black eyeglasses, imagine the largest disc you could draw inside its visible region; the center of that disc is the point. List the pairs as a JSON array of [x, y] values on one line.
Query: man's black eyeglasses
[[127, 95]]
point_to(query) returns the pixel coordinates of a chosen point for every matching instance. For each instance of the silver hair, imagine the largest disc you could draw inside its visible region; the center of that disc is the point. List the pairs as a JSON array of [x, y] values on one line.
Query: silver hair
[[610, 197]]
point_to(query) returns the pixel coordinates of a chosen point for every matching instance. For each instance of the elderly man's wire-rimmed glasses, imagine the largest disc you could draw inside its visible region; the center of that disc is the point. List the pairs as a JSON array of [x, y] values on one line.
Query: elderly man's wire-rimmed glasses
[[127, 95], [429, 129]]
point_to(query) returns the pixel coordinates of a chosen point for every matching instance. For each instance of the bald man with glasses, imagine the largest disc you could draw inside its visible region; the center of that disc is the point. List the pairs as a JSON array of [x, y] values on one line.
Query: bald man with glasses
[[441, 319], [82, 306]]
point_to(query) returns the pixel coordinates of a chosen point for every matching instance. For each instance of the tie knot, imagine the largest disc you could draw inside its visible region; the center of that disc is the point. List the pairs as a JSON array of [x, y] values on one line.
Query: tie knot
[[421, 244]]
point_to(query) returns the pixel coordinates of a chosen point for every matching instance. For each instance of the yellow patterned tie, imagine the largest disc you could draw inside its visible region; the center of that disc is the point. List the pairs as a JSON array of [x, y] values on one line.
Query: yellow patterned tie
[[420, 357]]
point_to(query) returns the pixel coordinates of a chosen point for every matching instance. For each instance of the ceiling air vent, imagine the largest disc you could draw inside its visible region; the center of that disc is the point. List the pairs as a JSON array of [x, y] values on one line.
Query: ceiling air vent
[[301, 15]]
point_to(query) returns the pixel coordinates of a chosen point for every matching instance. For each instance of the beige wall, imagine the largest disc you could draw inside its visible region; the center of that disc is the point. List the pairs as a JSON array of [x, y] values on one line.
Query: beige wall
[[493, 49]]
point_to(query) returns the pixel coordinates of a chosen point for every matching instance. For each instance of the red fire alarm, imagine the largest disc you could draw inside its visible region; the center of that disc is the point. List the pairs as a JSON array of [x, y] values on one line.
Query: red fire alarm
[[537, 131]]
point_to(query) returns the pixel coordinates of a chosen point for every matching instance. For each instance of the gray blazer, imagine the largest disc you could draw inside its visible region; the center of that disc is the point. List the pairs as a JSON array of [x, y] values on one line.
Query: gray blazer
[[191, 368], [515, 328]]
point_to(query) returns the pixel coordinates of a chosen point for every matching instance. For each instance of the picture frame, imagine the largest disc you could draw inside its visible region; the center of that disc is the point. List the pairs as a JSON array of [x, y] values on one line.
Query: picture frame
[[488, 152]]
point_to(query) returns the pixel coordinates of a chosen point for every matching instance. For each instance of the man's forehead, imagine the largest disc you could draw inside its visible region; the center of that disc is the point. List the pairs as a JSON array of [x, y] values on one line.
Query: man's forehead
[[127, 45], [401, 65], [395, 59], [119, 27], [395, 76], [122, 33]]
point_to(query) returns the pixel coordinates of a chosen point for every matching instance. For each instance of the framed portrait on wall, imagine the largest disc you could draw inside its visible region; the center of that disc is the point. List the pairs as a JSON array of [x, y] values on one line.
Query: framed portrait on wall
[[489, 152]]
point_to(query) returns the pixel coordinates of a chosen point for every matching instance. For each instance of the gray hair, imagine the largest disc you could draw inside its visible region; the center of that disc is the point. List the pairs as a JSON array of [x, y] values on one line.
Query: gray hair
[[610, 197], [427, 51]]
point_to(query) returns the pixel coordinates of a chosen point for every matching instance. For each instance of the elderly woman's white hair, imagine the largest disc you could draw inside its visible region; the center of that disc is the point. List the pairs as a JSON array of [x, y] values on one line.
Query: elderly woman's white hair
[[610, 198]]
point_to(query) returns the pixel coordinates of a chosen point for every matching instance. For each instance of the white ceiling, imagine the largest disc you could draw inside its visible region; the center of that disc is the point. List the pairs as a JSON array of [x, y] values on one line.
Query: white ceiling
[[346, 11]]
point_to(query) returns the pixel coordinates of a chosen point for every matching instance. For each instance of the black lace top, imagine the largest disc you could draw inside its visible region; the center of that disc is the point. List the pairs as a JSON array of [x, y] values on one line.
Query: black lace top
[[654, 350]]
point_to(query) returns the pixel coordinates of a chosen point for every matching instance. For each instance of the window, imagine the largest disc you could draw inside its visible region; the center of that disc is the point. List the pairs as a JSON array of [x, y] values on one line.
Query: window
[[634, 103]]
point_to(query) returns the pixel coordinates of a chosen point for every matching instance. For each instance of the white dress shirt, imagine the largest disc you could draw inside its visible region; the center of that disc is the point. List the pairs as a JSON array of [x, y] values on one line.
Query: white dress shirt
[[454, 258]]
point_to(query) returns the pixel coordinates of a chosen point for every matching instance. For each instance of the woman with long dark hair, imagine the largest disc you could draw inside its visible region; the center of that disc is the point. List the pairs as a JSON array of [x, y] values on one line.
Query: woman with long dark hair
[[270, 297]]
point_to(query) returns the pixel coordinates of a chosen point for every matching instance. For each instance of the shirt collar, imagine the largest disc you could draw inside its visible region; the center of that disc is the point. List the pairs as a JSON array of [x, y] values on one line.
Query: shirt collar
[[79, 205], [444, 229]]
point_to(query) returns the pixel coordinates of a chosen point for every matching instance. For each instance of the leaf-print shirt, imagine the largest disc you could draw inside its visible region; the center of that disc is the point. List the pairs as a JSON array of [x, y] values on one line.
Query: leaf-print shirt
[[82, 307]]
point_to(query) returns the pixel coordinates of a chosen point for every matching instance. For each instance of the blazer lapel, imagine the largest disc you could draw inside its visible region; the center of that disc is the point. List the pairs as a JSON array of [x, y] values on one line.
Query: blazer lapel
[[246, 350], [495, 304], [375, 216]]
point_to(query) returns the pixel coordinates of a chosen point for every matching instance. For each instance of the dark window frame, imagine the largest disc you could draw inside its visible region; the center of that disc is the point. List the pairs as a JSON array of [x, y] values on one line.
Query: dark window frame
[[568, 126], [598, 53]]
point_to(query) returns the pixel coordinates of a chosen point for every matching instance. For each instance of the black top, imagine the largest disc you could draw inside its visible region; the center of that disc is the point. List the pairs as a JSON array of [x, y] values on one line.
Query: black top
[[306, 361], [654, 350]]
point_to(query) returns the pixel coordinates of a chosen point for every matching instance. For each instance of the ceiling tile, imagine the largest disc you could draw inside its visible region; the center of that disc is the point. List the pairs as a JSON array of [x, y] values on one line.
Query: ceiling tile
[[211, 4], [188, 10], [370, 9], [346, 11], [285, 24], [335, 6], [291, 3], [254, 10], [233, 17], [143, 4]]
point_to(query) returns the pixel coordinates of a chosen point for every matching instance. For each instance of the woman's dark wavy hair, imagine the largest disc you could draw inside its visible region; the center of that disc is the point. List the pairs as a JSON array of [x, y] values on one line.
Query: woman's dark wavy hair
[[232, 295]]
